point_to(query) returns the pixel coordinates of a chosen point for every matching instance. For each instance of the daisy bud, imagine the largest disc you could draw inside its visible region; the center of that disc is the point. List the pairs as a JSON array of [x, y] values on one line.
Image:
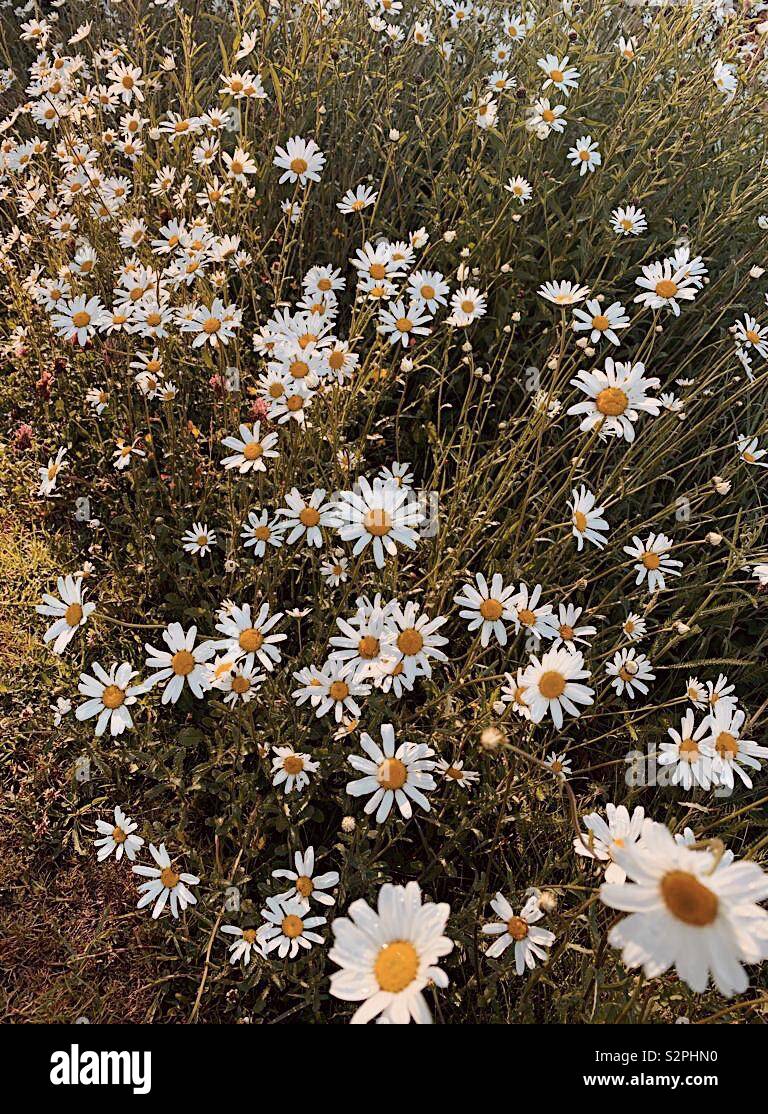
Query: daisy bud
[[348, 824], [492, 738], [756, 272], [713, 538], [589, 351], [499, 707], [547, 901], [394, 134], [505, 268], [721, 486], [516, 316], [680, 627], [517, 217], [582, 342], [449, 237], [552, 364]]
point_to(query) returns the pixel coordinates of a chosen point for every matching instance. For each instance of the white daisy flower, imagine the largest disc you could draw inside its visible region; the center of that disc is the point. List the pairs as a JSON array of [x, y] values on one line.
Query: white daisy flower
[[412, 642], [109, 695], [731, 751], [261, 531], [50, 474], [604, 838], [392, 776], [382, 515], [455, 772], [182, 663], [531, 943], [166, 885], [306, 517], [684, 913], [288, 928], [199, 540], [247, 634], [601, 321], [388, 956], [629, 671], [585, 155], [628, 220], [331, 688], [553, 685], [689, 753], [665, 284], [563, 293], [246, 943], [653, 563], [306, 885], [250, 449], [118, 837], [569, 633], [301, 160], [292, 769], [488, 607], [399, 323], [587, 522], [617, 397], [69, 612]]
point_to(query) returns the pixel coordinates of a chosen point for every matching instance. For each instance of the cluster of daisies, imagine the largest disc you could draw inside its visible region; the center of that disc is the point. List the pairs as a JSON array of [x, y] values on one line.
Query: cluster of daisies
[[105, 175], [691, 906]]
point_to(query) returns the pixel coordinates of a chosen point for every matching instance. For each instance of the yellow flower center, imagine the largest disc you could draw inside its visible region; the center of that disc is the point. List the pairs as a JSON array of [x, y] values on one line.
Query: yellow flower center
[[309, 516], [396, 966], [491, 610], [250, 935], [688, 899], [73, 615], [404, 324], [689, 750], [565, 632], [666, 288], [527, 617], [517, 928], [339, 690], [299, 369], [378, 271], [651, 560], [112, 697], [182, 663], [552, 684], [427, 292], [292, 926], [600, 322], [612, 401], [118, 835], [580, 521], [81, 320], [548, 116], [252, 450], [299, 166], [556, 75], [368, 646], [468, 306], [726, 744], [169, 877], [392, 774], [240, 684], [304, 885], [377, 522], [212, 325], [293, 764], [262, 533], [250, 640], [409, 641]]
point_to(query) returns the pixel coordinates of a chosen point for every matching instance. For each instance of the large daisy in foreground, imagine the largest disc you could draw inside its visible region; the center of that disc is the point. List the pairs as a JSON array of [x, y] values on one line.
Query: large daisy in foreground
[[387, 956], [687, 912]]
